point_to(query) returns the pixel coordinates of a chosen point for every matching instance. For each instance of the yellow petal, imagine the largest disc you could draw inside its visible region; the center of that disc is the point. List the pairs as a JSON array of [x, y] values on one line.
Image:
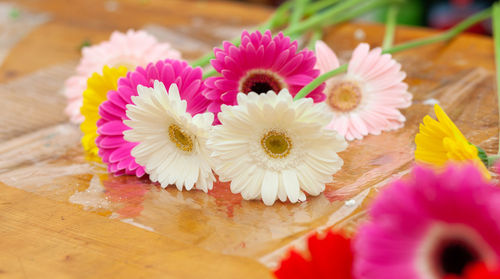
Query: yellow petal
[[95, 94], [440, 141]]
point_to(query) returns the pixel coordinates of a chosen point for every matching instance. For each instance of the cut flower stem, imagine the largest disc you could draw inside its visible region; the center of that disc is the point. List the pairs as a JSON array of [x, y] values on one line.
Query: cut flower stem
[[496, 39], [277, 19], [317, 6], [298, 11], [358, 11], [390, 26], [321, 18], [316, 35], [450, 34]]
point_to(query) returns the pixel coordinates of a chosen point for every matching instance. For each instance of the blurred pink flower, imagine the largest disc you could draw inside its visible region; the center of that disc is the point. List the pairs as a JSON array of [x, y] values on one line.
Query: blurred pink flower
[[434, 225], [131, 49], [366, 99]]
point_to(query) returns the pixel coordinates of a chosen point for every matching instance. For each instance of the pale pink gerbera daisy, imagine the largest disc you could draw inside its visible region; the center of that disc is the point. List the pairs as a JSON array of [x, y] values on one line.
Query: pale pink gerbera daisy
[[131, 49], [260, 64], [365, 100], [431, 226], [113, 148]]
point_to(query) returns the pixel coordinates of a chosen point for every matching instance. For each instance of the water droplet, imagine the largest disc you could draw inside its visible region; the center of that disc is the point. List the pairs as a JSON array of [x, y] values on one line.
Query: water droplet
[[350, 202]]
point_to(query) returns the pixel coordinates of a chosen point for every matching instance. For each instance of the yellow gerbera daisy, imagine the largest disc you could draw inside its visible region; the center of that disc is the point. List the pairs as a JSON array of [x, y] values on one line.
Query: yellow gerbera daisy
[[439, 142], [96, 93]]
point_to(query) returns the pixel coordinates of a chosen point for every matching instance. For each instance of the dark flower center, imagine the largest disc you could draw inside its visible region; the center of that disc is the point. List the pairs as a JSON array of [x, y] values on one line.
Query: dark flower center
[[455, 256], [261, 81]]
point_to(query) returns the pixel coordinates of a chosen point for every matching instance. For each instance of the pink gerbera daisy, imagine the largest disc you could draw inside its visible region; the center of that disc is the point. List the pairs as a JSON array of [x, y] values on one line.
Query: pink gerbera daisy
[[432, 226], [131, 49], [365, 100], [260, 64], [113, 148]]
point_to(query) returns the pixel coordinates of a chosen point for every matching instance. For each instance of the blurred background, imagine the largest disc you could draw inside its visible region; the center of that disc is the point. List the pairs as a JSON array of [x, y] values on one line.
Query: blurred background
[[438, 14]]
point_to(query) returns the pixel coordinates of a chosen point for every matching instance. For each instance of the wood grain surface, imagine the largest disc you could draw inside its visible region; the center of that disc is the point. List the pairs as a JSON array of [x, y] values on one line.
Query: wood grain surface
[[63, 217]]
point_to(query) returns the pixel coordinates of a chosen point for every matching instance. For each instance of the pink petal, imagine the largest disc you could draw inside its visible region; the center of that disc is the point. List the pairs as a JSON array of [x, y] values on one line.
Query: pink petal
[[326, 58]]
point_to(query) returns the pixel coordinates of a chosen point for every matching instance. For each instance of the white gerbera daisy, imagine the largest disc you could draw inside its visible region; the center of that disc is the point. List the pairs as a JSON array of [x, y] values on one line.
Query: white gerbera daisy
[[272, 147], [172, 143]]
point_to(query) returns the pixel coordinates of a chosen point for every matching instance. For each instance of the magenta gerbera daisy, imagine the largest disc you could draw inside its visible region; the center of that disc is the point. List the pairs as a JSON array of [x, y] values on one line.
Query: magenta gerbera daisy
[[260, 64], [434, 225], [365, 100], [113, 148]]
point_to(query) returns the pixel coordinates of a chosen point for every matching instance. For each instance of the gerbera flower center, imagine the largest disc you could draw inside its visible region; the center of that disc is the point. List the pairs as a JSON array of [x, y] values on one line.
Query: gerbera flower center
[[455, 255], [451, 248], [276, 144], [344, 96], [182, 140], [261, 81]]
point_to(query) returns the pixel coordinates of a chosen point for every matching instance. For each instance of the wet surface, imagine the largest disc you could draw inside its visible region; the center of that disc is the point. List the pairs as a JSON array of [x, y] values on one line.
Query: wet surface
[[50, 162]]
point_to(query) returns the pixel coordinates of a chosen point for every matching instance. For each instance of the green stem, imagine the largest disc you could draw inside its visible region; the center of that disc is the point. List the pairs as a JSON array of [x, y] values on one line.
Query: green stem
[[354, 13], [319, 80], [209, 73], [298, 10], [492, 159], [316, 35], [274, 21], [496, 39], [279, 18], [457, 29], [319, 5], [390, 26], [312, 8], [450, 34], [340, 13], [320, 19]]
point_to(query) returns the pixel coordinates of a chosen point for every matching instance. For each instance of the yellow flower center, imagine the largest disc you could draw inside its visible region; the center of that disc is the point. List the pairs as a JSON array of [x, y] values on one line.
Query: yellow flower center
[[261, 81], [276, 144], [344, 96], [180, 138]]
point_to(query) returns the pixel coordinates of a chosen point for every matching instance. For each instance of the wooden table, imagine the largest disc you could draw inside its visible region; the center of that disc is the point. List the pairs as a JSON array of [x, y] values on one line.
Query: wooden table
[[129, 228]]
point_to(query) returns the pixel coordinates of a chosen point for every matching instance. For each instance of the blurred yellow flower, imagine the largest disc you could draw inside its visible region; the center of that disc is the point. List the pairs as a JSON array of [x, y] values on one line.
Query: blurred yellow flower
[[96, 93], [439, 142]]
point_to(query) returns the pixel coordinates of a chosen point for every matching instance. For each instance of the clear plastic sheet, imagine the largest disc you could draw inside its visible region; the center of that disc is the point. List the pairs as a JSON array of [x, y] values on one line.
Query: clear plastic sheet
[[15, 23], [50, 162]]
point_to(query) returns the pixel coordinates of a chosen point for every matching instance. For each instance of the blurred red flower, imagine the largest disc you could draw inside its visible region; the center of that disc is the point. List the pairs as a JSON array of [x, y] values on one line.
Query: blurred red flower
[[477, 271], [330, 257]]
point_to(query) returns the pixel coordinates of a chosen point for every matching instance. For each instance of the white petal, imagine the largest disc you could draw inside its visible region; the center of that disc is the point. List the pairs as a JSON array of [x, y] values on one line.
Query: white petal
[[291, 184], [282, 196], [269, 188], [173, 92], [302, 196], [238, 155]]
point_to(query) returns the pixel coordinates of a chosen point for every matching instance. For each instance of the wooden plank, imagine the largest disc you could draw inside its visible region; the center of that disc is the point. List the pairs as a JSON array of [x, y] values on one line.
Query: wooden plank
[[41, 238]]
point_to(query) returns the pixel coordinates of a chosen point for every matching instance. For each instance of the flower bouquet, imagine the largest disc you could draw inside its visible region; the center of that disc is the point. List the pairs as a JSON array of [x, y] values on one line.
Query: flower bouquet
[[273, 119]]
